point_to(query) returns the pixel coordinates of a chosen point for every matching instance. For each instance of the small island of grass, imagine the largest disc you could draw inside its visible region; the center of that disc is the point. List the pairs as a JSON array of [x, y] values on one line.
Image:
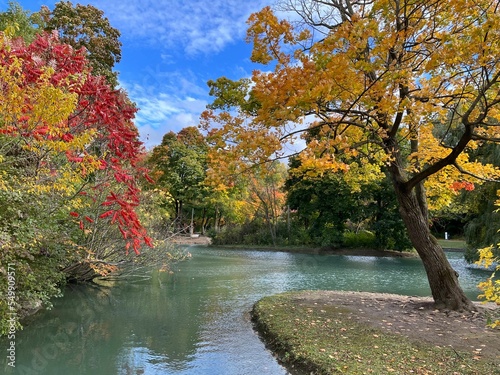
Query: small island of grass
[[320, 332]]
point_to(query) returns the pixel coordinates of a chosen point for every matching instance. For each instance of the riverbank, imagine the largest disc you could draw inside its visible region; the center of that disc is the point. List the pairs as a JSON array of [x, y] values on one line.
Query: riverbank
[[330, 332], [323, 250], [448, 245]]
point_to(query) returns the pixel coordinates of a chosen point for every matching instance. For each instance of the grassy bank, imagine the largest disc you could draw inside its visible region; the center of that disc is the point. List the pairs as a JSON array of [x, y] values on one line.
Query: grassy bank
[[309, 338], [449, 245], [453, 244]]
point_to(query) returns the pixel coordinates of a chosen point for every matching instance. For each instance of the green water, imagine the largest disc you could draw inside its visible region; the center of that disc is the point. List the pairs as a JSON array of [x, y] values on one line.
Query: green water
[[196, 320]]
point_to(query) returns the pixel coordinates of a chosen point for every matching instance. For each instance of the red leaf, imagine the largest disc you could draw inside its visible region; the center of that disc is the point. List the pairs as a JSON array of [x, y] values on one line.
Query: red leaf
[[137, 245], [106, 214], [149, 179], [99, 108], [148, 241], [469, 186], [103, 164], [67, 137]]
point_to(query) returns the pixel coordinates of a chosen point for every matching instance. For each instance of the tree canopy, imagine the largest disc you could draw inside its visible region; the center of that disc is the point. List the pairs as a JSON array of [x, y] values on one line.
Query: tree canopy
[[178, 165], [69, 165], [16, 21], [409, 88], [86, 26]]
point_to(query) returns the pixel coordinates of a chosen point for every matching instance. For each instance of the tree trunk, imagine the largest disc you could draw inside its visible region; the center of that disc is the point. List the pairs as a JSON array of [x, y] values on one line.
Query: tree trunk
[[443, 279], [216, 220], [204, 222], [288, 222], [191, 226]]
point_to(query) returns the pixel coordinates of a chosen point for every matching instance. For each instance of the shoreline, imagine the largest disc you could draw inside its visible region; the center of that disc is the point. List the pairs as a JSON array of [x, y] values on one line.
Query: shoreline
[[207, 242], [322, 251], [314, 250]]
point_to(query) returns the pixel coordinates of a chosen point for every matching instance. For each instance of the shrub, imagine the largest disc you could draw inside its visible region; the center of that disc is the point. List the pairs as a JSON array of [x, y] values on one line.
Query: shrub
[[362, 239]]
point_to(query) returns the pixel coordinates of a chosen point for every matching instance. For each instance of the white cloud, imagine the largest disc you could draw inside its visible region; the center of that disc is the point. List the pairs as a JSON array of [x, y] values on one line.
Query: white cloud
[[171, 93], [195, 26], [163, 112]]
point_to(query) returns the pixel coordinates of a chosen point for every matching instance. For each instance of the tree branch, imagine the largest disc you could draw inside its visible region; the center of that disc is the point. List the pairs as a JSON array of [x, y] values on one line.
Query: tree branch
[[463, 171]]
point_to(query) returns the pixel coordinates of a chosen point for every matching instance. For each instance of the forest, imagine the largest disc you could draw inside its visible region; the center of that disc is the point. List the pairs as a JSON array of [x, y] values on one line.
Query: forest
[[371, 136]]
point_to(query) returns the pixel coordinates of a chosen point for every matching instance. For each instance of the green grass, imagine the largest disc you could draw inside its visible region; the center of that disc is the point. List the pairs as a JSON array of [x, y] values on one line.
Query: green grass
[[452, 244], [323, 340]]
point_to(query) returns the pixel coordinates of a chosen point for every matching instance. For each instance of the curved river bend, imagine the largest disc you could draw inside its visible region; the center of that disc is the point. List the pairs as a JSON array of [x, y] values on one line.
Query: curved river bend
[[196, 320]]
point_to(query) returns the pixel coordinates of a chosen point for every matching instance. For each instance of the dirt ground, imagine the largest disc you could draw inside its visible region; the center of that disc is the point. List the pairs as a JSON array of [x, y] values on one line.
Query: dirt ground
[[417, 319], [187, 240]]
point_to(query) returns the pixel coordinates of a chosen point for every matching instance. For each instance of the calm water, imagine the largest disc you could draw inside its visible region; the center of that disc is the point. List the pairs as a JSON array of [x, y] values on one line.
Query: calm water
[[196, 320]]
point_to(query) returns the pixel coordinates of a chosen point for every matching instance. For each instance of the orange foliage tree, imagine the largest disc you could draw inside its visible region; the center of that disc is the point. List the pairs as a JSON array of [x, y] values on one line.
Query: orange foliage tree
[[403, 87]]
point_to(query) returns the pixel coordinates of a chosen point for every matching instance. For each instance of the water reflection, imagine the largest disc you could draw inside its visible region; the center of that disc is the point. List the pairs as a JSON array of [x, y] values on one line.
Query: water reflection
[[196, 320]]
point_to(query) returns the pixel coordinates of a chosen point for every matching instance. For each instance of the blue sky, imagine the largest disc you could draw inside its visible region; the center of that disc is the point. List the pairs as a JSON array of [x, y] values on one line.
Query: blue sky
[[171, 48]]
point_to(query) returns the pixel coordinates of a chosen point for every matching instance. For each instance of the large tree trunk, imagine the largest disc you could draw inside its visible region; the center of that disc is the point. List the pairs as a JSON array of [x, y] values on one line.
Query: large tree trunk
[[443, 279]]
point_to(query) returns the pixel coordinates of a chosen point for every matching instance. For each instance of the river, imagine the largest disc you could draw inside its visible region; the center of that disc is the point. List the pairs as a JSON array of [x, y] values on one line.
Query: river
[[195, 320]]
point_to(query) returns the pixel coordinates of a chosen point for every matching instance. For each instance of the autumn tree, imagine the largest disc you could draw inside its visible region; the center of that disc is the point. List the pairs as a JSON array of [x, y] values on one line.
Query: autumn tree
[[16, 21], [323, 205], [484, 219], [229, 206], [178, 165], [251, 205], [69, 162], [490, 287], [489, 258], [265, 185], [86, 26], [377, 80]]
